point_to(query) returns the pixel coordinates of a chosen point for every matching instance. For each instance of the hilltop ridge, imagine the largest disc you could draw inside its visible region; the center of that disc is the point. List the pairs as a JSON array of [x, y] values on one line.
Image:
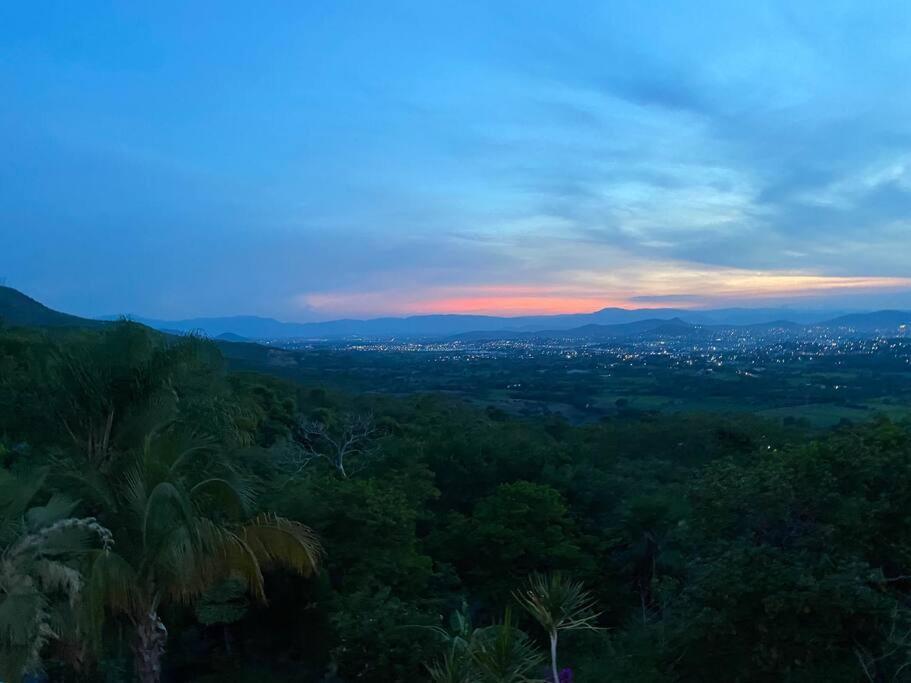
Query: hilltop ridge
[[19, 309]]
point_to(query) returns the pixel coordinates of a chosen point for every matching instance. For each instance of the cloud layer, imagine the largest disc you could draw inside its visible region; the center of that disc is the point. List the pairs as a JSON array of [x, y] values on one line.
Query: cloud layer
[[358, 159]]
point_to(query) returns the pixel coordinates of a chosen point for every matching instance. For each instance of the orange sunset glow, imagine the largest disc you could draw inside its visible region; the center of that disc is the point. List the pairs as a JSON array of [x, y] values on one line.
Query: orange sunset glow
[[685, 288]]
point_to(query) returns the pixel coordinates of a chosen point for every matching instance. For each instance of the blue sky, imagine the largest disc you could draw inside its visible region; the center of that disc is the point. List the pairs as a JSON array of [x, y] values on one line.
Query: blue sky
[[312, 160]]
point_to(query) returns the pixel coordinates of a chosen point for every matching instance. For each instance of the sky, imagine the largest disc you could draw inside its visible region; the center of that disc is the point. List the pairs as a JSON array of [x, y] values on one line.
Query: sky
[[314, 160]]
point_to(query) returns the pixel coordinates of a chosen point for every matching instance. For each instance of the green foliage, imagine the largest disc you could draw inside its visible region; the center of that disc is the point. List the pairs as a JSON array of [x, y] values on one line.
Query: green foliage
[[521, 527], [39, 579], [492, 654], [451, 668], [223, 603], [147, 424], [369, 526], [179, 515], [557, 603], [376, 639], [504, 654], [713, 545]]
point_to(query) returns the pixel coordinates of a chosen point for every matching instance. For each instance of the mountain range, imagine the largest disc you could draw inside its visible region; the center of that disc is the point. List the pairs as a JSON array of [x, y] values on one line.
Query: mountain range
[[885, 322], [444, 326], [17, 308]]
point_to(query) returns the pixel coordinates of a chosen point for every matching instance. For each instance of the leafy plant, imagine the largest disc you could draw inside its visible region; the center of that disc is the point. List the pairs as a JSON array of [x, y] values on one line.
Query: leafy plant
[[178, 512], [495, 653], [224, 603], [504, 654], [558, 604], [39, 581]]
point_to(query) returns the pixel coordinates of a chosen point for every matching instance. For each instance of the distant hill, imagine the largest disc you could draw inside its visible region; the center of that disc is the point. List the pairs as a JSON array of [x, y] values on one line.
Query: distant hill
[[878, 321], [19, 310], [231, 337], [442, 326], [885, 322], [246, 326], [676, 328], [652, 328]]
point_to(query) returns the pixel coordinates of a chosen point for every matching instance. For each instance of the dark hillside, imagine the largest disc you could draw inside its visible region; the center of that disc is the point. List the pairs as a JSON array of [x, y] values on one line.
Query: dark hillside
[[19, 310]]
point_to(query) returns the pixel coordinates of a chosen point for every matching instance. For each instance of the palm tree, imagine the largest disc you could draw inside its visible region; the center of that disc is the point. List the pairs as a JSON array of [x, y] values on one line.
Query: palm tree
[[557, 604], [103, 383], [503, 654], [494, 654], [455, 665], [39, 583], [179, 514]]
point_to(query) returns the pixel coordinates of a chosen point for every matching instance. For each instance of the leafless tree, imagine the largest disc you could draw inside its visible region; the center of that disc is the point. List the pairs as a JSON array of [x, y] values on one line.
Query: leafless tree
[[348, 448], [894, 658]]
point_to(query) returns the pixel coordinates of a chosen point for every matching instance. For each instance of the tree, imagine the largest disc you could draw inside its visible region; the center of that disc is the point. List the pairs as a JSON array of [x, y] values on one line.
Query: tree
[[179, 515], [503, 654], [646, 523], [106, 383], [354, 438], [557, 604], [452, 667], [39, 582], [224, 603], [519, 528], [373, 643], [493, 654], [112, 388], [459, 638]]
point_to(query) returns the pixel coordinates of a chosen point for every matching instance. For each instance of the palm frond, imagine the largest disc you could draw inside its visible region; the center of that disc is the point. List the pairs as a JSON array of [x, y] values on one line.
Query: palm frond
[[231, 495], [88, 483], [35, 584], [229, 555], [166, 507], [57, 508], [134, 490], [54, 577], [275, 540], [184, 448], [114, 580], [504, 654], [171, 564], [24, 631], [557, 603], [452, 667], [45, 540], [18, 491]]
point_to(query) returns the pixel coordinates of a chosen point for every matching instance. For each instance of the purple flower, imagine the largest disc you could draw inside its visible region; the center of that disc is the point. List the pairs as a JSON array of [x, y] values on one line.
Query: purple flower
[[566, 676]]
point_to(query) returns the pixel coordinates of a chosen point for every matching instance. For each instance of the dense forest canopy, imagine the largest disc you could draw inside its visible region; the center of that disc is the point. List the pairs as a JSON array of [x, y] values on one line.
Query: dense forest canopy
[[165, 516]]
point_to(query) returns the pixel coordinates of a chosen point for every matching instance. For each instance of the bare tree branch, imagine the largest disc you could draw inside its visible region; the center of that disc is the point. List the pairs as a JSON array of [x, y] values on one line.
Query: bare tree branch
[[348, 448]]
